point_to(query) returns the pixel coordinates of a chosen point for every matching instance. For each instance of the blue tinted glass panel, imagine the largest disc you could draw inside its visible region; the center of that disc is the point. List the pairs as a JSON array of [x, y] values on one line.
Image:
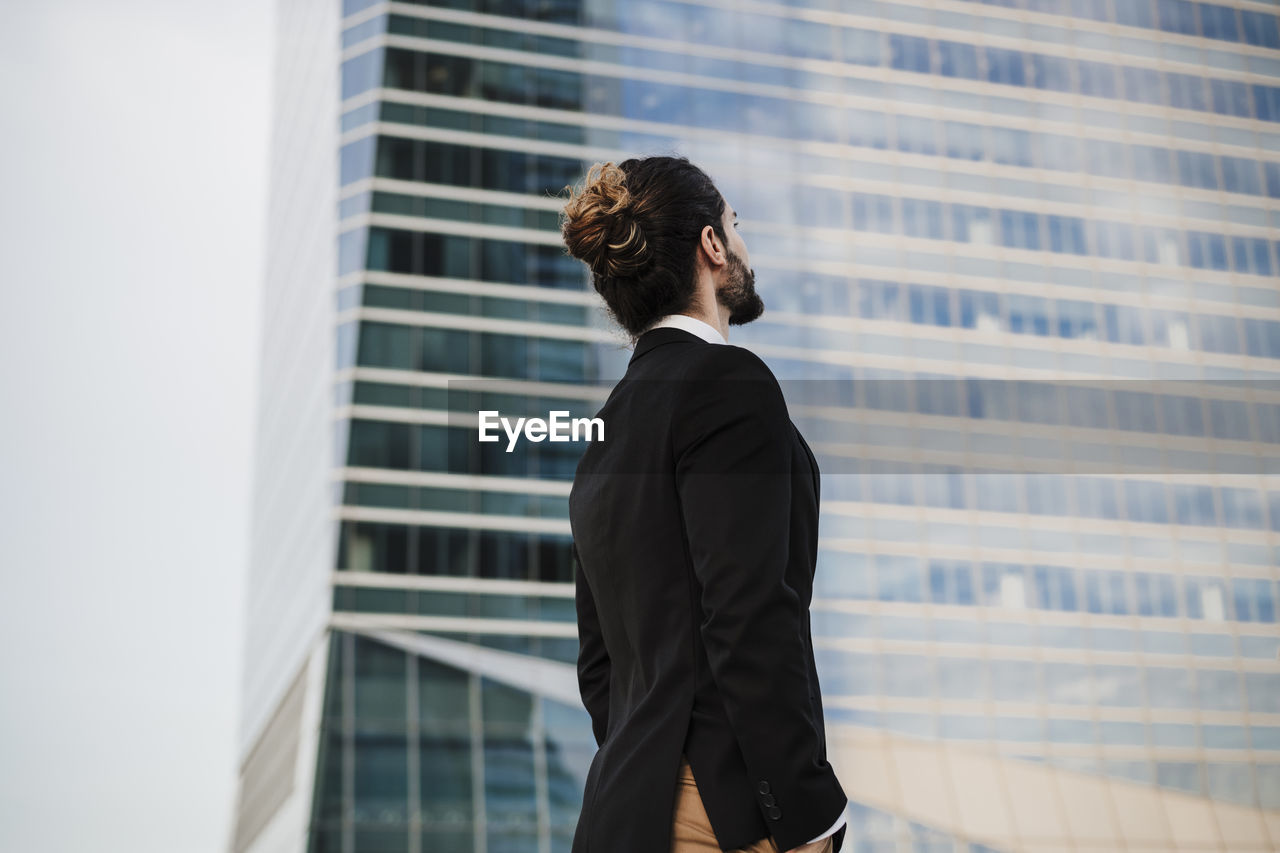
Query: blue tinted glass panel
[[1260, 29], [958, 60]]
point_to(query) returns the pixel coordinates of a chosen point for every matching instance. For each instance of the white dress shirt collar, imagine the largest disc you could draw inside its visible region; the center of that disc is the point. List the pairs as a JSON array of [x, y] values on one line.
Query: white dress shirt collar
[[702, 329]]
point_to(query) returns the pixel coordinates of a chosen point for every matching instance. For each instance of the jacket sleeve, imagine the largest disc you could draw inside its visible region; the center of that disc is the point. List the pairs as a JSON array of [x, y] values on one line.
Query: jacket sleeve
[[593, 659], [732, 443]]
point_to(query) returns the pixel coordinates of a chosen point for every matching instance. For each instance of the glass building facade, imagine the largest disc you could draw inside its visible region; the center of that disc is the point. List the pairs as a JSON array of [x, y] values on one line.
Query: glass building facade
[[1021, 263]]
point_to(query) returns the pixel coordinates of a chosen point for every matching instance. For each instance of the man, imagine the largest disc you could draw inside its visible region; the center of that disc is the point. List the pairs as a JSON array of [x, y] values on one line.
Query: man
[[695, 537]]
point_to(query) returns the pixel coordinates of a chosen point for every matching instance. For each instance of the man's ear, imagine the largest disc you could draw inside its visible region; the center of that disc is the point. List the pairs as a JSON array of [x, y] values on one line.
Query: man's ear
[[707, 242]]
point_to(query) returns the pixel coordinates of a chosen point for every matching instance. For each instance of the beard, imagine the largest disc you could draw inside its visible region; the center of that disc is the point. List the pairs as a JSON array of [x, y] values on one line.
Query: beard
[[739, 292]]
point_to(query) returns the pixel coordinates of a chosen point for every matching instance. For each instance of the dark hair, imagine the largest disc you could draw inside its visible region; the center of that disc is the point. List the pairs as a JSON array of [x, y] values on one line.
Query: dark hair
[[636, 226]]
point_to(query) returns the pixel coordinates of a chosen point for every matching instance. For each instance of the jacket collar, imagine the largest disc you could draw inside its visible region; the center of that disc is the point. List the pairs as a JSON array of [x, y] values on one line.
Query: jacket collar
[[664, 335]]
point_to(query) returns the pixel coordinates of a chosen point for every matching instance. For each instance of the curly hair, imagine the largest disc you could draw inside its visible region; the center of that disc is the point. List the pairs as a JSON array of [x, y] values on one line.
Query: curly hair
[[636, 226]]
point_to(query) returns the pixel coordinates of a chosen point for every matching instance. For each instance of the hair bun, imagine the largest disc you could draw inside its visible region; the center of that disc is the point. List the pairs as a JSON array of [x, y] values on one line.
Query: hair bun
[[600, 226]]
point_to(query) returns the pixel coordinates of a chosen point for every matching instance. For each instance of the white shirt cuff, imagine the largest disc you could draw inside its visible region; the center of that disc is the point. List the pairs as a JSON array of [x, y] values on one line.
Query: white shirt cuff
[[840, 821]]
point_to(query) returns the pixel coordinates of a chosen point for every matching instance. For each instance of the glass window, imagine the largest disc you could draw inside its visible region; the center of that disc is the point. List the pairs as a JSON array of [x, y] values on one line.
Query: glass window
[[1187, 92], [1181, 415], [444, 350], [1262, 337], [1251, 255], [1066, 234], [1255, 599], [803, 38], [861, 47], [1156, 595], [1219, 22], [1217, 333], [1171, 329], [1143, 85], [1114, 240], [1219, 689], [351, 250], [1028, 315], [1005, 66], [362, 73], [907, 675], [1061, 153], [917, 135], [1097, 80], [879, 300], [867, 129], [1015, 681], [899, 578], [1207, 598], [1010, 147], [929, 305], [1087, 407], [965, 141], [1096, 498], [1108, 159], [845, 575], [958, 60], [1118, 686], [1240, 175], [1076, 319], [1135, 410], [1260, 29], [1228, 419], [1064, 583], [873, 213], [1170, 687], [1135, 13], [1230, 98], [1196, 169], [972, 224], [1050, 72], [1194, 505], [1177, 16], [1004, 584], [979, 310], [1124, 324], [1068, 683], [1097, 10], [356, 160], [1154, 164], [1145, 502], [823, 207], [1241, 507], [1266, 102], [908, 53]]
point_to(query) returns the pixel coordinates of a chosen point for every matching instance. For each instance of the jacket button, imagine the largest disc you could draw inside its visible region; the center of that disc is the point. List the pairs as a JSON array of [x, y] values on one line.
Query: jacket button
[[769, 800], [774, 812], [763, 787]]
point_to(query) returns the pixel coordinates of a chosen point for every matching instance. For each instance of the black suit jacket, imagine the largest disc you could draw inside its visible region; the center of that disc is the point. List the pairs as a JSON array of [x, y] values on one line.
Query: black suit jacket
[[695, 528]]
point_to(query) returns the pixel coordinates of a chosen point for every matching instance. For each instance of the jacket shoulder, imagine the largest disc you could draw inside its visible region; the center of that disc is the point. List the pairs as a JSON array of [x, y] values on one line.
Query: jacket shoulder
[[726, 361], [724, 384]]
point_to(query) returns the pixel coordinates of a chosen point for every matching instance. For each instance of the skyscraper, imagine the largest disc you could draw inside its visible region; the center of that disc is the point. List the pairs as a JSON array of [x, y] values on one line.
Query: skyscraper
[[1020, 268]]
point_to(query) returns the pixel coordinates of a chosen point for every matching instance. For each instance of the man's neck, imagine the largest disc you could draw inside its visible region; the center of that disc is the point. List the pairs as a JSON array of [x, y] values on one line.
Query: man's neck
[[718, 321]]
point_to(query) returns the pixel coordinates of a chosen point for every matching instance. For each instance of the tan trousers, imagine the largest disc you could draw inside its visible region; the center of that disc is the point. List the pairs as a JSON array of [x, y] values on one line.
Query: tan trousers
[[691, 830]]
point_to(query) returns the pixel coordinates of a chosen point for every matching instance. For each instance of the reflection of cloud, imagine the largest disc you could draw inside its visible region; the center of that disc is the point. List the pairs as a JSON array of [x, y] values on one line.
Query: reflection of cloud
[[987, 323], [1012, 592]]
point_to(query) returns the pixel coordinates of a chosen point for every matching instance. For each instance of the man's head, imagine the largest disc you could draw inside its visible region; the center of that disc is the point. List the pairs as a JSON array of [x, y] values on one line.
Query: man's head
[[660, 239]]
